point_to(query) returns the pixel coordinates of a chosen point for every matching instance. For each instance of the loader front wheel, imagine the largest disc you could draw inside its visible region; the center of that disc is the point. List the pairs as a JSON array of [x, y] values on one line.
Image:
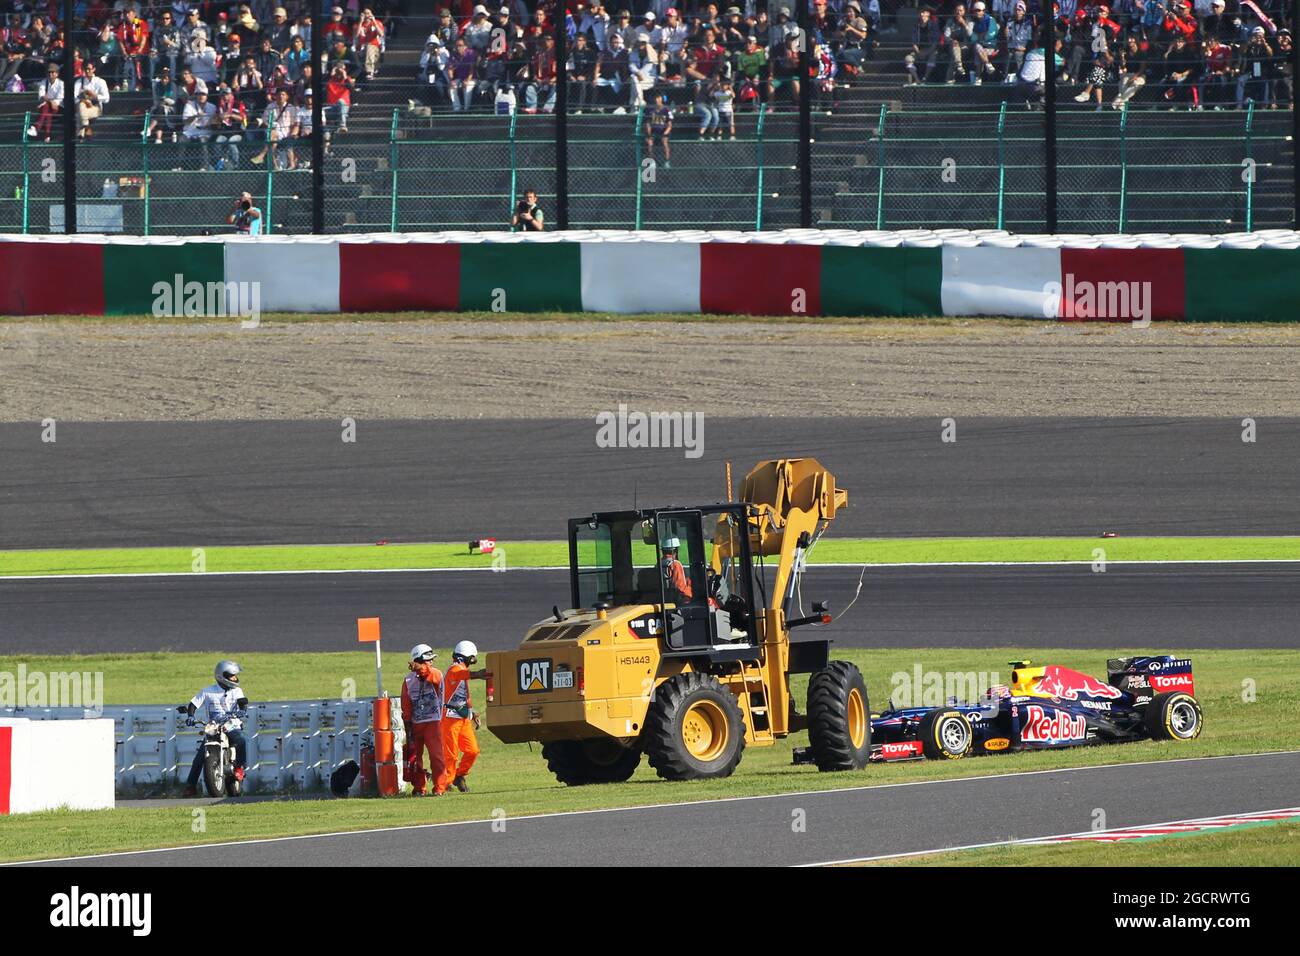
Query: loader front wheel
[[579, 762], [839, 718], [694, 729]]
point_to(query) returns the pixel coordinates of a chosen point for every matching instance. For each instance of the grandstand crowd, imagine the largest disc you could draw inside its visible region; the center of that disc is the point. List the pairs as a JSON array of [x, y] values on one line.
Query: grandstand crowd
[[228, 75]]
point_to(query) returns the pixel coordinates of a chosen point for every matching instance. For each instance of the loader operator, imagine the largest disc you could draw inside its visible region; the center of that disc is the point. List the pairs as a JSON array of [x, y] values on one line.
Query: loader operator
[[222, 701], [676, 583], [422, 704], [460, 720]]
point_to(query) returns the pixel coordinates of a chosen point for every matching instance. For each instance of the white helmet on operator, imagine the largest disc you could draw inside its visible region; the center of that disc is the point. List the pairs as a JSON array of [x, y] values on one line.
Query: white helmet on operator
[[466, 652]]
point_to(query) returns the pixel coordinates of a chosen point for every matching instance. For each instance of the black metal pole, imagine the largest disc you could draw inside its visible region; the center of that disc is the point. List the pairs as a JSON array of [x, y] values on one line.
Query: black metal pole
[[317, 122], [69, 123], [1049, 116], [805, 117], [1295, 113], [561, 118]]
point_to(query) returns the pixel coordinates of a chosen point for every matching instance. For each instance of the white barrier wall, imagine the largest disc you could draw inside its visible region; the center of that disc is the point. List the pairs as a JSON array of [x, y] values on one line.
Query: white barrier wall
[[50, 764], [292, 745]]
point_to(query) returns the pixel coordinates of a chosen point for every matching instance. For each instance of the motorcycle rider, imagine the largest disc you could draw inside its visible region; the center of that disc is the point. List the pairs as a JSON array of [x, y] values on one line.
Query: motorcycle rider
[[460, 720], [225, 700], [422, 704]]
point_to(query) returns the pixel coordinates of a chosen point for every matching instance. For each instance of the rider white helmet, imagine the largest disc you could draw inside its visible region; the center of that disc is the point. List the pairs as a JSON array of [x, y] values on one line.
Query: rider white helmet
[[466, 652], [423, 653], [227, 674]]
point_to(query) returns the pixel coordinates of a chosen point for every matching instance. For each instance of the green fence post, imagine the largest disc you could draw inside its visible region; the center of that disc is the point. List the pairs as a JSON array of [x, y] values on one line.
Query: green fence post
[[144, 169], [1123, 167], [270, 186], [392, 168], [758, 199], [27, 172], [1250, 168], [1002, 160], [880, 170], [636, 158], [514, 168]]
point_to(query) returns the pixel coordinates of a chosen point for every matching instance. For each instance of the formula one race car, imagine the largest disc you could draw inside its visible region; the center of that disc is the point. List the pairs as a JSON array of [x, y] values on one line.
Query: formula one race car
[[1143, 698]]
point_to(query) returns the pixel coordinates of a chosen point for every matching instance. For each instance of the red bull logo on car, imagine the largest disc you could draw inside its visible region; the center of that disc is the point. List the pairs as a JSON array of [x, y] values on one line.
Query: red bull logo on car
[[1056, 727], [1071, 685]]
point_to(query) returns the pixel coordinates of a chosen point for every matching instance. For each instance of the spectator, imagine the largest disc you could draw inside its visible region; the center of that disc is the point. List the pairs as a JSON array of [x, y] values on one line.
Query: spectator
[[166, 94], [751, 70], [706, 109], [369, 42], [528, 215], [108, 53], [228, 127], [983, 43], [433, 68], [724, 103], [643, 68], [1179, 80], [336, 29], [1216, 74], [297, 57], [1099, 75], [191, 28], [134, 36], [1282, 71], [670, 40], [166, 43], [611, 74], [543, 78], [41, 48], [249, 86], [1020, 37], [659, 126], [1134, 64], [197, 128], [783, 70], [50, 96], [463, 71], [581, 72], [279, 32], [855, 39], [478, 32], [91, 94], [338, 96], [956, 36], [202, 60], [1255, 68], [926, 41], [281, 123]]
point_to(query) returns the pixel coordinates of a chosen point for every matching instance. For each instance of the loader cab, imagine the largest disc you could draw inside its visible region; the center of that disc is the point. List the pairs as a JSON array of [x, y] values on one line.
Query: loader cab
[[625, 558]]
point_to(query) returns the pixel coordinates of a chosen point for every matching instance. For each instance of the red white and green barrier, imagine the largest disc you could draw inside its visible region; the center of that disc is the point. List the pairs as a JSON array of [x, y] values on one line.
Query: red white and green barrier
[[1235, 277]]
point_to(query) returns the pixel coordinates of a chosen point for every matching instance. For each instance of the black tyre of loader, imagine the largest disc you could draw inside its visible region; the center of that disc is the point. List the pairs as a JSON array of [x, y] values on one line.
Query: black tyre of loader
[[694, 729], [1175, 715], [839, 718], [576, 763], [945, 735]]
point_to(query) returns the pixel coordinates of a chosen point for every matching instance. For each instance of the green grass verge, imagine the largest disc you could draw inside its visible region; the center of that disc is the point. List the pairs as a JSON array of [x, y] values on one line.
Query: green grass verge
[[525, 554], [513, 779], [1253, 844]]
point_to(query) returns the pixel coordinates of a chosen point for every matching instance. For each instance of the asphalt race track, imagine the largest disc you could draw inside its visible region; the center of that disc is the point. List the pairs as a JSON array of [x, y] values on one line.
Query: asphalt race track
[[210, 483], [1135, 607], [845, 824]]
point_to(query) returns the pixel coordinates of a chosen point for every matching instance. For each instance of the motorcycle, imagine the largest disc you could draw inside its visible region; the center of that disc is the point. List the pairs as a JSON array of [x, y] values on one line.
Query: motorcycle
[[218, 755]]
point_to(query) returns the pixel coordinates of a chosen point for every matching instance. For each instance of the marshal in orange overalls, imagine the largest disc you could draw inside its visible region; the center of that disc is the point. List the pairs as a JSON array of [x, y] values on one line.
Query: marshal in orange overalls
[[459, 745], [422, 711]]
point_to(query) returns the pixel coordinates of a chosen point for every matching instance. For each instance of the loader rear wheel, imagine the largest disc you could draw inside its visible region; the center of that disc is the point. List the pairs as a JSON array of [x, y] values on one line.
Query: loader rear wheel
[[839, 718], [694, 729], [1173, 716], [580, 762], [945, 735]]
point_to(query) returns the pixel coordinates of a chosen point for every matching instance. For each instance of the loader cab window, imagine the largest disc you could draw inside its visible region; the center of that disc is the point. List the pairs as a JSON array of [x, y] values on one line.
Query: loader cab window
[[611, 564], [681, 558]]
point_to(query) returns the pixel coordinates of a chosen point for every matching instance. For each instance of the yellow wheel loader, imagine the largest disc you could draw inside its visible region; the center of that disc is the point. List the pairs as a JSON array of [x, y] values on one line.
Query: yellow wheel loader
[[678, 642]]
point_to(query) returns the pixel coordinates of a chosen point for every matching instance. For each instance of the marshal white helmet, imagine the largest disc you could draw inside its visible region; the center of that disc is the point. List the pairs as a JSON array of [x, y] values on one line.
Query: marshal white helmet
[[423, 653], [227, 674], [466, 652]]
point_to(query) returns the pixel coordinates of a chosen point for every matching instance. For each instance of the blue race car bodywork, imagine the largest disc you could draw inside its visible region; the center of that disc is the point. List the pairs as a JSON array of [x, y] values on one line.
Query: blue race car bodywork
[[1048, 707]]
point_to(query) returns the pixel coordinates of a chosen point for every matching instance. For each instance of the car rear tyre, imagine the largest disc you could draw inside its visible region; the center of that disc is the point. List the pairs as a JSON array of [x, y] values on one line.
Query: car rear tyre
[[579, 762], [945, 735], [694, 729], [1174, 716], [839, 718]]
